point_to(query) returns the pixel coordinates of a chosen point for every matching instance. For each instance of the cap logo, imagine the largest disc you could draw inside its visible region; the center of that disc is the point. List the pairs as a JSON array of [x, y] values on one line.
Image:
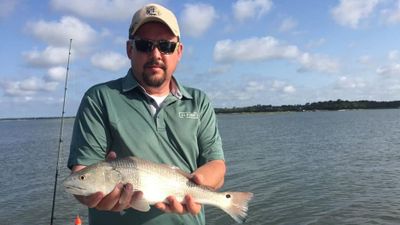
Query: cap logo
[[152, 11]]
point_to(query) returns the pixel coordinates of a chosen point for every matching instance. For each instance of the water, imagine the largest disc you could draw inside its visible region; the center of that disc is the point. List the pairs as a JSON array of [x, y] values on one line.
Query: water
[[304, 168]]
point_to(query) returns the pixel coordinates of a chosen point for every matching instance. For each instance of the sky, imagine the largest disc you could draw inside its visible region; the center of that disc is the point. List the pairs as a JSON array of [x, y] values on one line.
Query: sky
[[240, 52]]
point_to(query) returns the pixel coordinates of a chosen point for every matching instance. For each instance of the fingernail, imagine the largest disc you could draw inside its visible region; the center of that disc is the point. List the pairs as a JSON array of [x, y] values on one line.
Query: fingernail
[[128, 187], [120, 186]]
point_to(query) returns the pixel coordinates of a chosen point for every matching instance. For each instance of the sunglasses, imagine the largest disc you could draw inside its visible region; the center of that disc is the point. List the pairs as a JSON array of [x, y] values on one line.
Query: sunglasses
[[165, 47]]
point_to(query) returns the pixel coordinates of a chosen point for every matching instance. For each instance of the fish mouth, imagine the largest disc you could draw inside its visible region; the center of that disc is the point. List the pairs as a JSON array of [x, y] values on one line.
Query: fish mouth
[[74, 190]]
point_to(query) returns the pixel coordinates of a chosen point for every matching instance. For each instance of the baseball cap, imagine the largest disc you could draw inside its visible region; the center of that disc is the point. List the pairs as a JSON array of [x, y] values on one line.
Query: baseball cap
[[154, 13]]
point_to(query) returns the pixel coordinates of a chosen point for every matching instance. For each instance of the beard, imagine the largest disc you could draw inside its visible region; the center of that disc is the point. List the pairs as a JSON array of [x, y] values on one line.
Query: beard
[[154, 79]]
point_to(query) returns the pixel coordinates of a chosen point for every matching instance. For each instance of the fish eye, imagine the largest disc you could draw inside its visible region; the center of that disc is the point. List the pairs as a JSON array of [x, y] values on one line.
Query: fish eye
[[82, 177], [228, 196]]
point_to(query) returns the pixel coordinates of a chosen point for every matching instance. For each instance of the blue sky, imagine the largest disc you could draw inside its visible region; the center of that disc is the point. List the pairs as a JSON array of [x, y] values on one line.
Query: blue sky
[[241, 52]]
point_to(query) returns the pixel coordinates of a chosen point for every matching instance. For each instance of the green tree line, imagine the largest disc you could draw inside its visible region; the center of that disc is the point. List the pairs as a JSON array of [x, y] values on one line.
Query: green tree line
[[325, 105]]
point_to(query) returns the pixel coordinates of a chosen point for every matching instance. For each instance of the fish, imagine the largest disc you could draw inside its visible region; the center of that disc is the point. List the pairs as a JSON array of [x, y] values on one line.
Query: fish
[[156, 181]]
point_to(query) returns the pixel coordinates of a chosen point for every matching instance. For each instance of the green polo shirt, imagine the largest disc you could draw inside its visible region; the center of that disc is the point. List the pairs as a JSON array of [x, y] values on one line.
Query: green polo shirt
[[117, 116]]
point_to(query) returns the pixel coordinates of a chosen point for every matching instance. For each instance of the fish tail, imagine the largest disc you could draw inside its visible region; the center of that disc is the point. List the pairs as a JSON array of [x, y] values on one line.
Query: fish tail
[[238, 206]]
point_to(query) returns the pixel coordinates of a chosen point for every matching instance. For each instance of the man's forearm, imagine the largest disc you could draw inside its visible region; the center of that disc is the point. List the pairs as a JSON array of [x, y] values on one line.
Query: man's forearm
[[211, 174]]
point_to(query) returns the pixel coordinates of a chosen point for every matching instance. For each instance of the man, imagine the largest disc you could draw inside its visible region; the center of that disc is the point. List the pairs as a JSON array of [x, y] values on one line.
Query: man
[[148, 114]]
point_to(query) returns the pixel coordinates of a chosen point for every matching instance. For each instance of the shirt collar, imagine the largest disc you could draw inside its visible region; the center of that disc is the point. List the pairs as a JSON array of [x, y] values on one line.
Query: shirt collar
[[129, 83]]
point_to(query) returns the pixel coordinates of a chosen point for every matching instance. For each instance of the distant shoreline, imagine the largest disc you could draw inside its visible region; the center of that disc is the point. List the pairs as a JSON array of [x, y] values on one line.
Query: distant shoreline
[[37, 118], [315, 106]]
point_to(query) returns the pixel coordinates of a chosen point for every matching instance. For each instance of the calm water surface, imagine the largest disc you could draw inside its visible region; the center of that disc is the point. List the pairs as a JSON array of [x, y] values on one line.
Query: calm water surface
[[304, 168]]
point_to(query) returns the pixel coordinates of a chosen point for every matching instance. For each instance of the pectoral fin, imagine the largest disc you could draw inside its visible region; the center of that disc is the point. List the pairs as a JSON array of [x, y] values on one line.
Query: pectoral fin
[[140, 204]]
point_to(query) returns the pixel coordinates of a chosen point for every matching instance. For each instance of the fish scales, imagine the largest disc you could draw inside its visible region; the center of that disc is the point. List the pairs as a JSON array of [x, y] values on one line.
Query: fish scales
[[157, 182], [169, 179]]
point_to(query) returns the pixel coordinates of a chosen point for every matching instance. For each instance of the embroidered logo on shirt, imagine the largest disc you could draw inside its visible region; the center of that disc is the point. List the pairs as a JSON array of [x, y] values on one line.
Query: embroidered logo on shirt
[[189, 115]]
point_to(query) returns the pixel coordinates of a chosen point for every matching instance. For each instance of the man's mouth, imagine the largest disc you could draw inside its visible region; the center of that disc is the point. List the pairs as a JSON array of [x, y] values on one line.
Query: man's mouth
[[153, 65]]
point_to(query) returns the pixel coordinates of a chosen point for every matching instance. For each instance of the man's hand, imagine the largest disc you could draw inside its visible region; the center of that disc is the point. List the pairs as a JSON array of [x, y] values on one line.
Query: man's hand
[[210, 174], [174, 206], [117, 200]]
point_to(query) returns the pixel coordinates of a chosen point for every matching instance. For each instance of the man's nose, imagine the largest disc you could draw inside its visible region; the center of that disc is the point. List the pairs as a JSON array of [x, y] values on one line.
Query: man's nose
[[155, 52]]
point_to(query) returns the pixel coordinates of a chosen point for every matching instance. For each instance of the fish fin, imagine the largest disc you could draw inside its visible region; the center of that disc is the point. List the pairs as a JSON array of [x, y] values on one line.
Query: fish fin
[[238, 206], [141, 205]]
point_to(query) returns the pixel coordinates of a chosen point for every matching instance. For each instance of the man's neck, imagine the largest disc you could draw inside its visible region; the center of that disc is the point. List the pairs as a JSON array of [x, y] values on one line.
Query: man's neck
[[163, 90]]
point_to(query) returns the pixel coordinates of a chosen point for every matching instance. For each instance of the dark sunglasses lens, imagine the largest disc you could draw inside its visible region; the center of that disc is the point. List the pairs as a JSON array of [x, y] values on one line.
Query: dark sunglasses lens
[[143, 45], [167, 46]]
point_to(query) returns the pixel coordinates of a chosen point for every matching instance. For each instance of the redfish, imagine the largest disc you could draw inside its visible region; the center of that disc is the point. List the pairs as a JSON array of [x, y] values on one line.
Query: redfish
[[156, 182]]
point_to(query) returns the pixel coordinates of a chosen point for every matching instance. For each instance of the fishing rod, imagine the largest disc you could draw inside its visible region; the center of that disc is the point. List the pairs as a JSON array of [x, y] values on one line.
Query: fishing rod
[[60, 143]]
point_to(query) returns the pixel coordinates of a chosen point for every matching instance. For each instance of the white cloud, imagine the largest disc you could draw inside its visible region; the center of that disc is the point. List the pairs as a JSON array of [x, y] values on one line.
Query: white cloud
[[251, 92], [254, 86], [197, 18], [27, 87], [394, 87], [287, 25], [51, 56], [349, 83], [289, 89], [394, 18], [253, 49], [365, 59], [58, 33], [315, 62], [390, 70], [105, 32], [101, 9], [56, 74], [282, 87], [110, 61], [249, 9], [267, 48], [351, 12], [394, 55], [392, 15]]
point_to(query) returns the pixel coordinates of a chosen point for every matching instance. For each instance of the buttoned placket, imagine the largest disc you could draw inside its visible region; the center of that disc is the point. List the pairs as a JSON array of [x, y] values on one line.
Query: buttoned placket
[[159, 118], [158, 112]]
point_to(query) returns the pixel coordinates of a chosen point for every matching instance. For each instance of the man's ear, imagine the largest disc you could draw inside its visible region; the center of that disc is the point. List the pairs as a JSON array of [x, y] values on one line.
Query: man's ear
[[180, 51], [129, 49]]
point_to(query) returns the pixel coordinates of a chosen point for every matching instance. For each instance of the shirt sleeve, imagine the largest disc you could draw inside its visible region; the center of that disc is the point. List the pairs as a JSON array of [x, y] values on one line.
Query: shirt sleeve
[[209, 139], [90, 136]]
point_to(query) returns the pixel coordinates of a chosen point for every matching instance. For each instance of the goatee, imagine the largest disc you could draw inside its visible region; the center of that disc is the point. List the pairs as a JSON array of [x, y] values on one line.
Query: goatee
[[154, 80]]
